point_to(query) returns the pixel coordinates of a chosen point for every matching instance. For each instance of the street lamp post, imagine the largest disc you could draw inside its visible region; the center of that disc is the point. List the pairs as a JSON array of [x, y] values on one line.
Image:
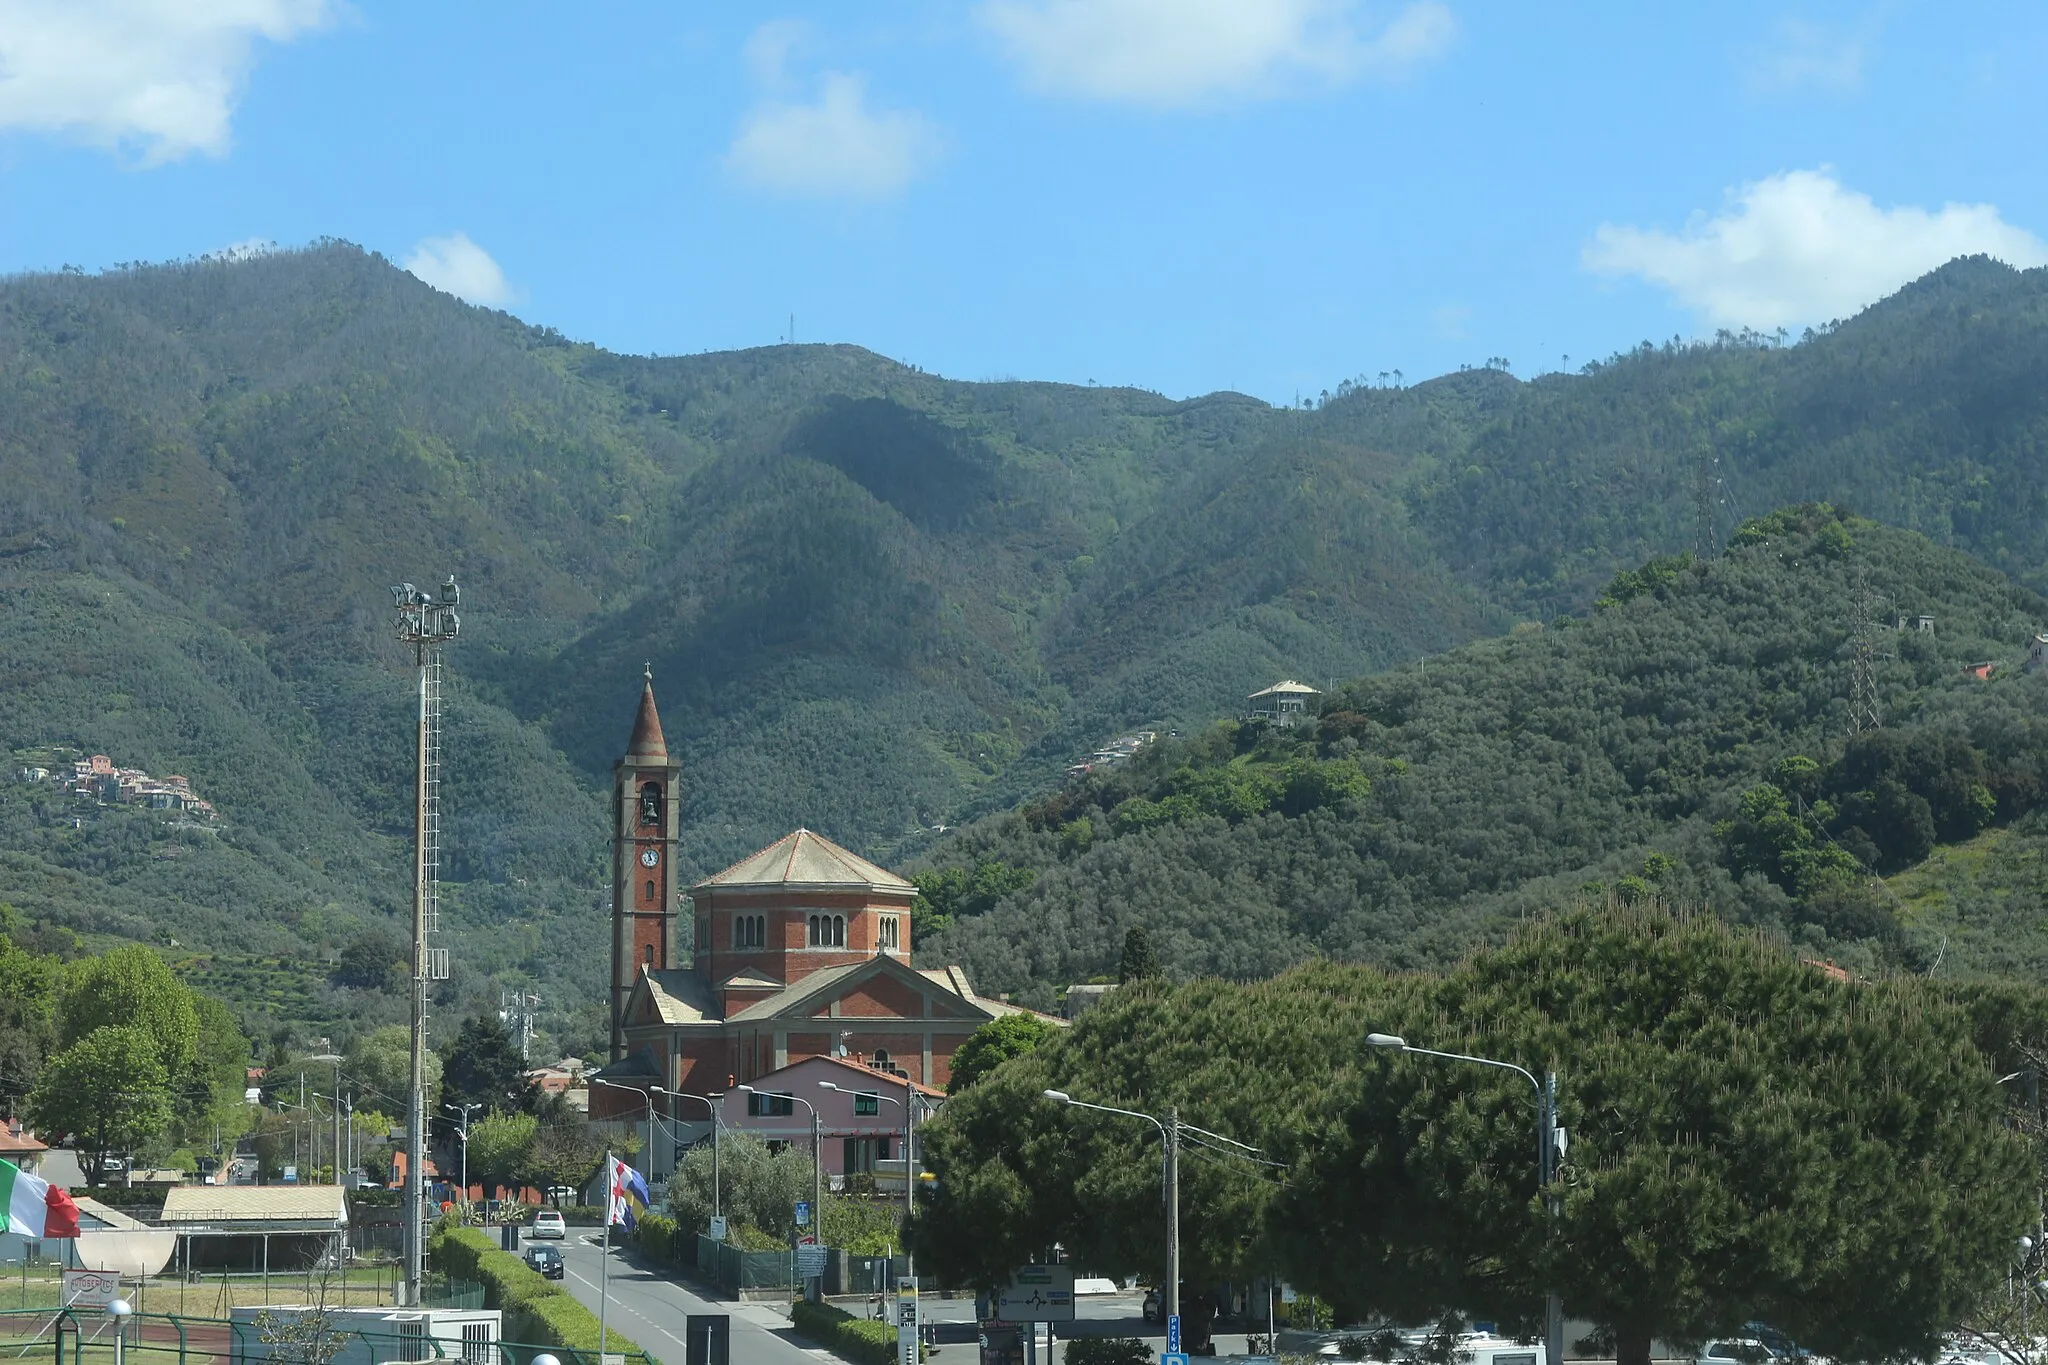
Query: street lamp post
[[647, 1100], [1169, 1133], [1548, 1137], [708, 1102], [817, 1164], [462, 1131]]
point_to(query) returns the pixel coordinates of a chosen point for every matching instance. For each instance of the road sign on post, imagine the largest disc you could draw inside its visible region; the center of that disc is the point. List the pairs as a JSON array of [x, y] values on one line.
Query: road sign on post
[[907, 1322], [1037, 1293], [1173, 1335], [1173, 1358], [803, 1213]]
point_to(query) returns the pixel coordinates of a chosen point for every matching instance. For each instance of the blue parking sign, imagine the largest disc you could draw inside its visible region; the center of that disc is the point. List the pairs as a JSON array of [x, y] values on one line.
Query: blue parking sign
[[1173, 1358], [803, 1213], [1173, 1341]]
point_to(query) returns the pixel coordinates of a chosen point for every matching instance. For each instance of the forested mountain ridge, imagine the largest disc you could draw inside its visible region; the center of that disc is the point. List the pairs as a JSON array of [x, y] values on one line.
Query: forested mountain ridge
[[1695, 735], [875, 600]]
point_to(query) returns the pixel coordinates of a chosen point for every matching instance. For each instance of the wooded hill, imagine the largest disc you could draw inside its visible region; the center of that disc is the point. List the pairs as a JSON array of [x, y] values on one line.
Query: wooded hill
[[1693, 738], [875, 601]]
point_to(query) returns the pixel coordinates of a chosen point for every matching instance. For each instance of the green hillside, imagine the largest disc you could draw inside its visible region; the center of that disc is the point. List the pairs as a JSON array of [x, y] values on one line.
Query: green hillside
[[876, 601], [1693, 735]]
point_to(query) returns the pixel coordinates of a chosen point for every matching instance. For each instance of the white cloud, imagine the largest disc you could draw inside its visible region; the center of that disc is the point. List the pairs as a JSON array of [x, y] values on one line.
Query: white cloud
[[1802, 248], [1170, 53], [455, 265], [837, 147], [158, 77], [1807, 56], [769, 49]]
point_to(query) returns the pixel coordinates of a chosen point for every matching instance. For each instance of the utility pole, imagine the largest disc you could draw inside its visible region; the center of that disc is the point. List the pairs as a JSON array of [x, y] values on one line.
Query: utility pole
[[1171, 1129], [1546, 1171], [426, 621]]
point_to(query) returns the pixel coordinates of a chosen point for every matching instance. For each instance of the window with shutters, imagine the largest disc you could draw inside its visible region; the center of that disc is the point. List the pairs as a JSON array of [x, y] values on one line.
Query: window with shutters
[[865, 1103]]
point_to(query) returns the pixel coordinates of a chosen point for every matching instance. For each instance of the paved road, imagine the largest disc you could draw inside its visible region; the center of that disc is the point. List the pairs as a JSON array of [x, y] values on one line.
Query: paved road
[[651, 1310]]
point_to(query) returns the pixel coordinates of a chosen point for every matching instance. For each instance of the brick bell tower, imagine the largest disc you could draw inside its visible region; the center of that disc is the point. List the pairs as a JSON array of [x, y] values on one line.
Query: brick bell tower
[[644, 893]]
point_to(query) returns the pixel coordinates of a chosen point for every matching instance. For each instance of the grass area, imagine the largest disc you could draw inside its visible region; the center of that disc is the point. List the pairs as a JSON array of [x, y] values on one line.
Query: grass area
[[363, 1287], [1978, 904]]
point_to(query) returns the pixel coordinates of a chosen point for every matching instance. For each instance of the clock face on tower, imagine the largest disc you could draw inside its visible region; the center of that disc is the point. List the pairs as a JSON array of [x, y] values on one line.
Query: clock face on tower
[[648, 857]]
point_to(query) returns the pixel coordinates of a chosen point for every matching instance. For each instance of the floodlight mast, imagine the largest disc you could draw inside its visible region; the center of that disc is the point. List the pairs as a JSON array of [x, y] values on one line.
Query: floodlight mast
[[426, 621]]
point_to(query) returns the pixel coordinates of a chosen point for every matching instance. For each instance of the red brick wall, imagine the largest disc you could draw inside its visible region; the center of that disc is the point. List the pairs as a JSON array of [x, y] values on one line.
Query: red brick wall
[[882, 998]]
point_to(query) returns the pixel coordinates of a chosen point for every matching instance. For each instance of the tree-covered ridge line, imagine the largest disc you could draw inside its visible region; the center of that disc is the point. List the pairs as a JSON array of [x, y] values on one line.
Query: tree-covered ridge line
[[1634, 748], [877, 602]]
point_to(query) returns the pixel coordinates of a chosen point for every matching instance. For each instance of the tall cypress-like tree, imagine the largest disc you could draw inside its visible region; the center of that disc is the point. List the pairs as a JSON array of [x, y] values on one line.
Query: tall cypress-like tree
[[1138, 961]]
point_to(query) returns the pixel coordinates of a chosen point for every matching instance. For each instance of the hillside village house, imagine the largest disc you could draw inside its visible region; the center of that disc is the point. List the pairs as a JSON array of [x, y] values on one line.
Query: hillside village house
[[1284, 704], [798, 951]]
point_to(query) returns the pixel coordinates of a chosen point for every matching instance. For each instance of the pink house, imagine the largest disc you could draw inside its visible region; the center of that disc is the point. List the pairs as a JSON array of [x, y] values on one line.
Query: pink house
[[860, 1122]]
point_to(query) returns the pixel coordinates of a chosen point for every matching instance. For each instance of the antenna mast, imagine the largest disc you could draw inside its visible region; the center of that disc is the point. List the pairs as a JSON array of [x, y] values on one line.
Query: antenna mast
[[1865, 651], [426, 621]]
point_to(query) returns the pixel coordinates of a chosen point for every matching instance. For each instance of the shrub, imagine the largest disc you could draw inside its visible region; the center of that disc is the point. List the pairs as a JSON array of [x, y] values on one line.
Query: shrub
[[537, 1310], [861, 1340], [1108, 1351]]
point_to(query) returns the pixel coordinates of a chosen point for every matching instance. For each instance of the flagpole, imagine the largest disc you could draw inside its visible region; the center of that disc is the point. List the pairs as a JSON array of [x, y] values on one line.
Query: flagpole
[[604, 1265]]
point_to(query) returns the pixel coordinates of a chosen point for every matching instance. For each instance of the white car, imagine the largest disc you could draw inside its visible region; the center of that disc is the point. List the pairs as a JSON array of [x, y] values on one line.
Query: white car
[[548, 1223]]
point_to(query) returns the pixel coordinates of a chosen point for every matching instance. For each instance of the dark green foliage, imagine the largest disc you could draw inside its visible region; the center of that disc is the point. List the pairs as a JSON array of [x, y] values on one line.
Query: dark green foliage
[[480, 1066], [1108, 1351], [1138, 962], [944, 894], [1518, 769], [1749, 1137], [861, 1340], [996, 1042], [372, 961]]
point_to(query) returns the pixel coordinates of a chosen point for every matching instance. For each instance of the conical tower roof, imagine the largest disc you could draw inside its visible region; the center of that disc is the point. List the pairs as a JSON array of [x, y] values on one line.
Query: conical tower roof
[[647, 742]]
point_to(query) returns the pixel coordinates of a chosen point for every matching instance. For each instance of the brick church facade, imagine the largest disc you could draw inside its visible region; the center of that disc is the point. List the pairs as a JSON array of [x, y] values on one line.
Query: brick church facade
[[799, 950]]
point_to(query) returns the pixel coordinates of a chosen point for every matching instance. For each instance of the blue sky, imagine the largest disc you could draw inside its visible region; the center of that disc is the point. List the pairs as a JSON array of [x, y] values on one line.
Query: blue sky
[[1267, 195]]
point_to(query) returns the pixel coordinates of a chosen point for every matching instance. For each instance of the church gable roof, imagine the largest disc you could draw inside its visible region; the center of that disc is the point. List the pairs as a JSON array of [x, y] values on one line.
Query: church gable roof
[[811, 996], [806, 860], [669, 997]]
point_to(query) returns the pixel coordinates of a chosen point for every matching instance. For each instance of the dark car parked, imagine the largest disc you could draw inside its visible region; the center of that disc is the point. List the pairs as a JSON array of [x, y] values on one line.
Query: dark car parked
[[547, 1260]]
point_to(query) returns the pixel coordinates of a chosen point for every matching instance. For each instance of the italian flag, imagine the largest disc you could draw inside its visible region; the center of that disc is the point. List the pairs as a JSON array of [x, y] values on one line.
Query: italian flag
[[31, 1207]]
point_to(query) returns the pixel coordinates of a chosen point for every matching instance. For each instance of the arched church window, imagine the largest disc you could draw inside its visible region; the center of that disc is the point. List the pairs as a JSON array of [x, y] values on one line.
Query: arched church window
[[650, 891], [650, 954], [650, 803], [839, 931]]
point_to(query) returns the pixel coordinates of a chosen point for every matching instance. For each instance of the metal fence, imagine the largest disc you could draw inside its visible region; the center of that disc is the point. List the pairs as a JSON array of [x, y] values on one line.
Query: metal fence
[[71, 1336], [734, 1270]]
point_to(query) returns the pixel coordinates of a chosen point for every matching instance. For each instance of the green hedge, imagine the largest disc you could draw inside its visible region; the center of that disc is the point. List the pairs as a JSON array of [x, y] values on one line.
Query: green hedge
[[862, 1340], [658, 1236], [538, 1311]]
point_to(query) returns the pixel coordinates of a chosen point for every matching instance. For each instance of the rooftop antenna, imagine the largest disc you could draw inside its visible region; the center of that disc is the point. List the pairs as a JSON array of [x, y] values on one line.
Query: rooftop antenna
[[426, 621]]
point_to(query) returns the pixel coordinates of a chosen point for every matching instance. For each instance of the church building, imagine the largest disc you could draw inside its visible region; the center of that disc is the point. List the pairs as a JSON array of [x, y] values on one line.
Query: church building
[[799, 950]]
